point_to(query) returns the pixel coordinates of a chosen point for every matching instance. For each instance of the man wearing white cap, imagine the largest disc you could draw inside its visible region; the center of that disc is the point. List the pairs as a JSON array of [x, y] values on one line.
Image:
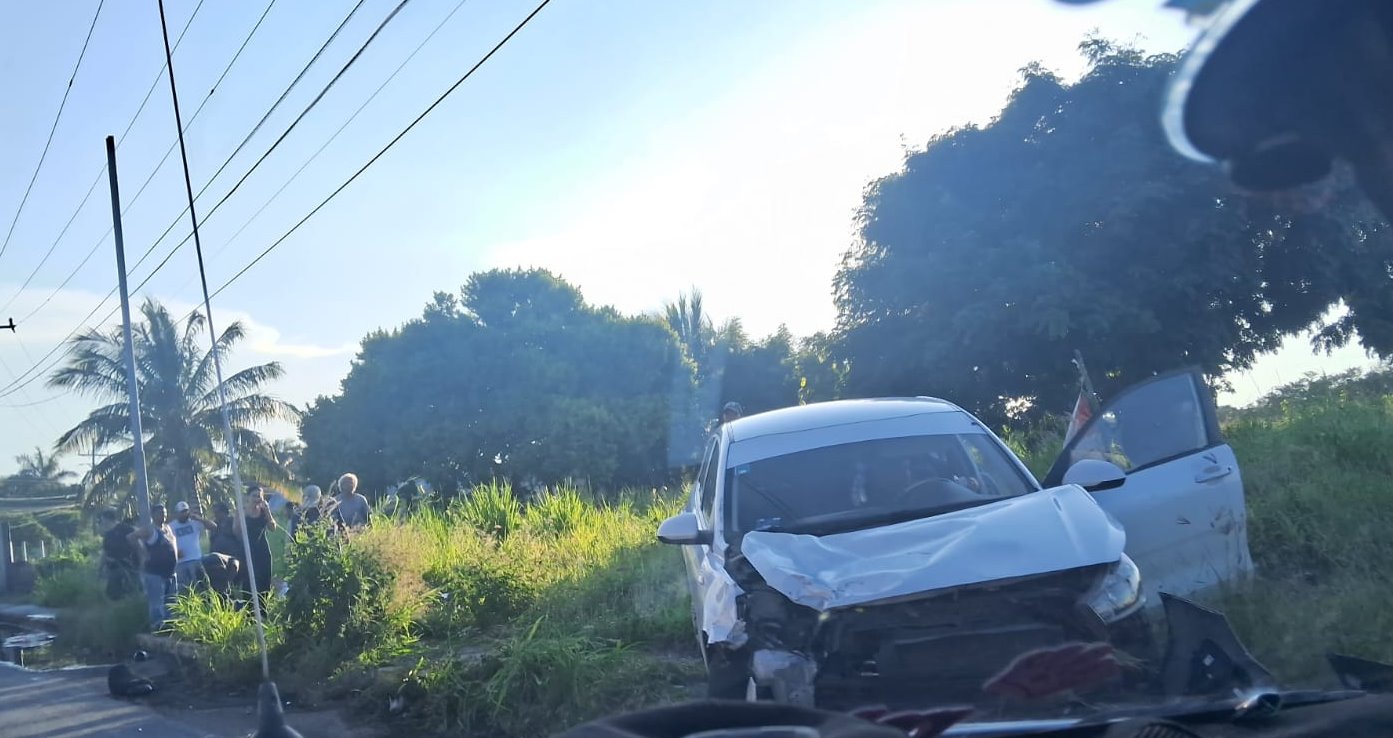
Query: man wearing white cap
[[188, 529]]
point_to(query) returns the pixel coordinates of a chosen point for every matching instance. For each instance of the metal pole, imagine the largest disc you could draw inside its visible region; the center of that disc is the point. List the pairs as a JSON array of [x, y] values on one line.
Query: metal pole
[[142, 484]]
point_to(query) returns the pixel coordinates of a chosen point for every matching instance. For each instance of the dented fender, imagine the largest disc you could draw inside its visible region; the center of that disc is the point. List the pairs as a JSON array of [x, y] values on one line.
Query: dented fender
[[719, 620]]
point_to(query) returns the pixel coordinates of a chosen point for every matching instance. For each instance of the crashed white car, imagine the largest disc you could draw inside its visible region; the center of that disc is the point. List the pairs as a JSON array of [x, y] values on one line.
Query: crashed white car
[[846, 552]]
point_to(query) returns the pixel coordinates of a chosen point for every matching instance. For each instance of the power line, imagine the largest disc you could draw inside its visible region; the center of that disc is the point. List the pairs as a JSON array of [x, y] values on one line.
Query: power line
[[247, 138], [54, 128], [276, 144], [384, 150], [341, 128], [95, 181], [31, 376], [11, 388]]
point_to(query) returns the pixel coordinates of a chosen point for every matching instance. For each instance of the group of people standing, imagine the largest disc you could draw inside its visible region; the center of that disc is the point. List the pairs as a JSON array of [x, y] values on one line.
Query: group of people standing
[[167, 556]]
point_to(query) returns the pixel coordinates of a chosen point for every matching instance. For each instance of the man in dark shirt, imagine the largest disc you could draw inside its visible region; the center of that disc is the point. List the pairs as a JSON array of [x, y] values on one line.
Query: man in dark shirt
[[157, 573], [119, 558]]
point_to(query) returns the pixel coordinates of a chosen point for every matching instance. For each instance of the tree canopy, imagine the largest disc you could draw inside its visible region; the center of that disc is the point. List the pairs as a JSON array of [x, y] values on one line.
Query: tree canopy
[[1068, 223], [515, 377]]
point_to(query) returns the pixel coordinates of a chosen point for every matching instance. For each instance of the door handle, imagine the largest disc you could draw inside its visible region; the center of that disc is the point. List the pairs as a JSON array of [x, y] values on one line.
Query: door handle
[[1211, 473]]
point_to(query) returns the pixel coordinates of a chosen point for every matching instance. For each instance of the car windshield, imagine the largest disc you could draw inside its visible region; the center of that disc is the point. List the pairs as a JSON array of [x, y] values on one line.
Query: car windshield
[[882, 480]]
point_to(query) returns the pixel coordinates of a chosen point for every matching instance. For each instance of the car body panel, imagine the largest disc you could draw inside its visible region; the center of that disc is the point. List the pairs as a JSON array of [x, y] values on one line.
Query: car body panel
[[1036, 533], [1182, 504]]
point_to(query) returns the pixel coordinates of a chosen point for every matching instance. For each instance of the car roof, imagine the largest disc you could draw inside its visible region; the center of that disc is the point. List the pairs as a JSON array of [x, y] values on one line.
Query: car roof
[[837, 412]]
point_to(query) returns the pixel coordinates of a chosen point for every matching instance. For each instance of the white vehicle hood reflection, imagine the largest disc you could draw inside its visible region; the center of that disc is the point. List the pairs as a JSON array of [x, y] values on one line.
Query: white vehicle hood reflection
[[1036, 533]]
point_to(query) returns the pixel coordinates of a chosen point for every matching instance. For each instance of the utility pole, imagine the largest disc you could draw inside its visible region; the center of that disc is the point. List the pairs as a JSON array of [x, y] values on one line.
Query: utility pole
[[142, 484]]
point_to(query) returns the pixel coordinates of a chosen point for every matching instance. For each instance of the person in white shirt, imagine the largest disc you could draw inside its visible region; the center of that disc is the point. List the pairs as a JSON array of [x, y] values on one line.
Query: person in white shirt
[[188, 527]]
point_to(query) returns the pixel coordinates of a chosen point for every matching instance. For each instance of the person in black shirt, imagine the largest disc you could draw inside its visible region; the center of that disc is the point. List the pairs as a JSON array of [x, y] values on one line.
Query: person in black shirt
[[224, 538], [157, 572], [119, 558], [256, 521]]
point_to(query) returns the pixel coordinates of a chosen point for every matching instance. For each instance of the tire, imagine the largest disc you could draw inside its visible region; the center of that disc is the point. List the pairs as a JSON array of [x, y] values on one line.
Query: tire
[[727, 676]]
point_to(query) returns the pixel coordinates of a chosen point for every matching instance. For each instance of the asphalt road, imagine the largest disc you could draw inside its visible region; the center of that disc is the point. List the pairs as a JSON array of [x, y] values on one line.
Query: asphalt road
[[73, 704]]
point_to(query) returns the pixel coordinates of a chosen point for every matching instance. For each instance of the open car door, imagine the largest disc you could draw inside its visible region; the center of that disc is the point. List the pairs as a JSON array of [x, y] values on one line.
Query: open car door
[[1182, 502]]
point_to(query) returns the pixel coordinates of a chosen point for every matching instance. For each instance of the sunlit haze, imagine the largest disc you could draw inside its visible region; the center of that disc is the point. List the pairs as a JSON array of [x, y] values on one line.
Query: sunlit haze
[[636, 148]]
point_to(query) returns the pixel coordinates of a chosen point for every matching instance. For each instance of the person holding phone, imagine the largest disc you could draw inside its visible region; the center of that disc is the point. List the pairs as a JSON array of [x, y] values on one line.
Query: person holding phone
[[256, 521]]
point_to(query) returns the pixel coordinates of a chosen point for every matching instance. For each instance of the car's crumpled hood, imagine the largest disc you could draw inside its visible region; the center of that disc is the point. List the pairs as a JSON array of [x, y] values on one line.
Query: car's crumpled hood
[[1036, 533]]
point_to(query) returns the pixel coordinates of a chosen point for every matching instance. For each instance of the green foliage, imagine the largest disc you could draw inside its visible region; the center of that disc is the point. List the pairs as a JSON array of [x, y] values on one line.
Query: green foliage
[[68, 585], [341, 599], [517, 378], [556, 511], [77, 555], [39, 475], [535, 685], [101, 633], [226, 633], [491, 508], [64, 525], [26, 529], [1068, 222], [1037, 443], [1316, 456], [185, 450]]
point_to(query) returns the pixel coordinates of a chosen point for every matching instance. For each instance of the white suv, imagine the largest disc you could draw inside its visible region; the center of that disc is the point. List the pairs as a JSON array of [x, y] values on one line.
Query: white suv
[[848, 552]]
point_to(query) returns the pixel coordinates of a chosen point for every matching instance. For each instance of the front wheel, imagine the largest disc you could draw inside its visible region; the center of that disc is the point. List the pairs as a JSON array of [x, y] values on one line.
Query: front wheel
[[727, 676]]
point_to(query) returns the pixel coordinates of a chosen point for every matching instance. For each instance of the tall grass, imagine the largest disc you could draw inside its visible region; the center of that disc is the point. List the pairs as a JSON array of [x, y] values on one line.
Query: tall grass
[[1316, 458], [226, 632]]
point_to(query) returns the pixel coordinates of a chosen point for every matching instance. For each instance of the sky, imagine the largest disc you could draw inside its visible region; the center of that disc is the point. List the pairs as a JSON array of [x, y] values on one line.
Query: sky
[[636, 148]]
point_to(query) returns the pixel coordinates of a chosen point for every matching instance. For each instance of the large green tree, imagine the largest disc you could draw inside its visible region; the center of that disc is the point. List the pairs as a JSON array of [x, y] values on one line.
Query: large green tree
[[185, 447], [1068, 223], [516, 377]]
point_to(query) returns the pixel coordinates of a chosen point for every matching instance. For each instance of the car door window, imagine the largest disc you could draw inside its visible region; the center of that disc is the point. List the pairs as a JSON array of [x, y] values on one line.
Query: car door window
[[710, 478], [1161, 419]]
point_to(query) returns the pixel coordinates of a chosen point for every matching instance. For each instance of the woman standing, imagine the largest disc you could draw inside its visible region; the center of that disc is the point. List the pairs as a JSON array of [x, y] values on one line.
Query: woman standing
[[257, 520]]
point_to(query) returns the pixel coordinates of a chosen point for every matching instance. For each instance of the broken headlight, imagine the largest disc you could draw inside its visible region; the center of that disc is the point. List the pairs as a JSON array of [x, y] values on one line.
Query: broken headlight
[[1119, 593]]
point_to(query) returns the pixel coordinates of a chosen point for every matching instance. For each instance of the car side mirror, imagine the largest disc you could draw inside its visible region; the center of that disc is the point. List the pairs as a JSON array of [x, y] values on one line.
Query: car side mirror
[[1095, 475], [683, 529]]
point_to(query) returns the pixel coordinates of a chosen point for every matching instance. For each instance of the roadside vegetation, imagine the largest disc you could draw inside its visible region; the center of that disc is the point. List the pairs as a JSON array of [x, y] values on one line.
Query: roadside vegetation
[[1317, 457], [499, 616]]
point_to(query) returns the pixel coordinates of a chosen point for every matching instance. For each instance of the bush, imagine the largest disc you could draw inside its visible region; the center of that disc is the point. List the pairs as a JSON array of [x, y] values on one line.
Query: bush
[[341, 600], [65, 524], [492, 508], [227, 632], [101, 633], [77, 555], [70, 586]]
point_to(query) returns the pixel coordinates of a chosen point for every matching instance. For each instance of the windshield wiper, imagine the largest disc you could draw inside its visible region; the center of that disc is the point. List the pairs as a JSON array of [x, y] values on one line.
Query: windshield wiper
[[842, 522]]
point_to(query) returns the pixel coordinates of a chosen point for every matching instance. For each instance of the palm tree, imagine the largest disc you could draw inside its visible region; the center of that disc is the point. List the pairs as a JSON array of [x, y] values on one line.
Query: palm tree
[[39, 475], [287, 452], [688, 319], [185, 448]]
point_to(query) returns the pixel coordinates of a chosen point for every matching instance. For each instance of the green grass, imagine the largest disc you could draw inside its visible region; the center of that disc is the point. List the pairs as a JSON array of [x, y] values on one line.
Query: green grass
[[1317, 463], [101, 633], [227, 633]]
